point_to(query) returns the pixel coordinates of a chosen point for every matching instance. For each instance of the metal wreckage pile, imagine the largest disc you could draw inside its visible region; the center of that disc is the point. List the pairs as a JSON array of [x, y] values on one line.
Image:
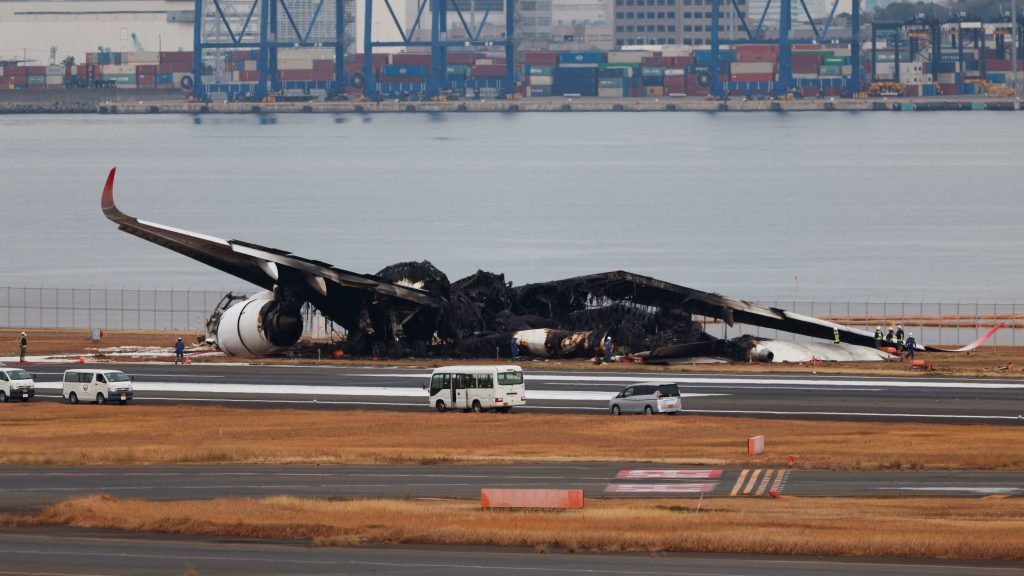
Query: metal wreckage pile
[[479, 316]]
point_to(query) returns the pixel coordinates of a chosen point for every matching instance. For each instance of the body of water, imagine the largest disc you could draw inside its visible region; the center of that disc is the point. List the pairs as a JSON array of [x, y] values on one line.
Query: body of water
[[804, 206]]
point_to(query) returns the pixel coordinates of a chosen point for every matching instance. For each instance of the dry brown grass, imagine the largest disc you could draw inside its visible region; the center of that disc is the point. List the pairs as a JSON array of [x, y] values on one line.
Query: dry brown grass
[[907, 527], [43, 433]]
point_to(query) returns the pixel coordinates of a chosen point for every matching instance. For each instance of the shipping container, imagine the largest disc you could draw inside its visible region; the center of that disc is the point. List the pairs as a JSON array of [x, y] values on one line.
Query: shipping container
[[539, 70], [830, 70], [628, 56], [764, 67], [540, 91], [612, 92], [581, 58], [769, 77], [404, 70], [578, 81], [541, 80], [489, 71], [406, 59], [539, 58], [654, 91]]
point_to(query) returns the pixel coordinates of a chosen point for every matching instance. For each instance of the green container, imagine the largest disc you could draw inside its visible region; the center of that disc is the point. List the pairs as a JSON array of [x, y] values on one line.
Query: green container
[[907, 106], [458, 69], [609, 83], [835, 60], [649, 71], [540, 70], [618, 65], [830, 70], [33, 80], [977, 105]]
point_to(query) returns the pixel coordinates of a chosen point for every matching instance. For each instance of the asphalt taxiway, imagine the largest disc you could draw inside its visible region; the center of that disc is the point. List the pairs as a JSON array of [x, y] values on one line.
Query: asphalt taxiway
[[816, 396]]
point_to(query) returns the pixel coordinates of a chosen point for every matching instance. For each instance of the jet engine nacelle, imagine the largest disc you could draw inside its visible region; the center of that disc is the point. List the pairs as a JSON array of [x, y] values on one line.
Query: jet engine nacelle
[[257, 325]]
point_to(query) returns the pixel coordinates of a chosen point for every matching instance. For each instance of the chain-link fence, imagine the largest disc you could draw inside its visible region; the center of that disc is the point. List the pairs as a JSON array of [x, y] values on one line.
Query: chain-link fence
[[942, 322], [120, 309]]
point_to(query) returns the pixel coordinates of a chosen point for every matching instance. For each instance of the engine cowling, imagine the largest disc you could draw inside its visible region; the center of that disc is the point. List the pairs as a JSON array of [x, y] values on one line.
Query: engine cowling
[[258, 325]]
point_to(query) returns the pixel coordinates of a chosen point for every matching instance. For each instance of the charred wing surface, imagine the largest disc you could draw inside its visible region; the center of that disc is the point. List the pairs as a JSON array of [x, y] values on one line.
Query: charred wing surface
[[361, 303], [407, 307], [638, 300]]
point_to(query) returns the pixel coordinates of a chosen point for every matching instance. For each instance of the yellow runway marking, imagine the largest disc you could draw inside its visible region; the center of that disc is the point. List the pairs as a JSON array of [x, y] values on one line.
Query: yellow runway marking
[[764, 483], [739, 482], [753, 480]]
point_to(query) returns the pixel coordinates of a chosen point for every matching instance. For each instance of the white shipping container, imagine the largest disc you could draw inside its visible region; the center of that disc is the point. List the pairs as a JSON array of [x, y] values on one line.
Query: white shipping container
[[541, 80], [805, 76], [55, 70], [676, 50], [909, 68], [609, 92], [54, 80], [140, 57], [306, 53], [752, 67], [117, 69], [846, 70], [885, 69], [250, 66], [628, 57], [292, 63], [675, 71], [947, 78]]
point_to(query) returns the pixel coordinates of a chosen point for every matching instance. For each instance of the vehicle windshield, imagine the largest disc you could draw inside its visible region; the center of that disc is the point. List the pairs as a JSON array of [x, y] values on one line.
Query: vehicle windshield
[[116, 376], [19, 375], [510, 378]]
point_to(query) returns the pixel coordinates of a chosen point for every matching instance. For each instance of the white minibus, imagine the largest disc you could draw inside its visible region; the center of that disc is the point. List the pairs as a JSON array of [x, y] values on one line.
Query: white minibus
[[477, 388], [97, 385]]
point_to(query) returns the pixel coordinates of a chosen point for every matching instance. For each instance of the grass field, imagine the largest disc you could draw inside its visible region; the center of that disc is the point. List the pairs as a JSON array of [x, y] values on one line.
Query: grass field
[[986, 528], [58, 434]]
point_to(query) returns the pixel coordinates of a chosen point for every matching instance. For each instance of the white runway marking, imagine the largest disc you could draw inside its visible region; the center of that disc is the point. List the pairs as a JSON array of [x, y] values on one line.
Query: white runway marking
[[684, 380], [971, 489], [364, 391]]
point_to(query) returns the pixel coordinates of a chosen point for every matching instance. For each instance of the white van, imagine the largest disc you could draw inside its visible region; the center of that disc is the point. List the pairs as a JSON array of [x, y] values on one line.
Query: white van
[[98, 386], [477, 388], [15, 383]]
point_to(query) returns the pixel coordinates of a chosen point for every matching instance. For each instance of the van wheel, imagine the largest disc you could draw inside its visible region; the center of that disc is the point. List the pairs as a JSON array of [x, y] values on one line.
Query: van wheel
[[100, 399], [648, 410], [477, 407], [3, 396], [616, 410], [73, 398], [440, 406]]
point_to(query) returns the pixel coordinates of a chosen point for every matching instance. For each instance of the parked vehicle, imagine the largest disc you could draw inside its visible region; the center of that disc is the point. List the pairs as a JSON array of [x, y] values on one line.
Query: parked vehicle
[[647, 399], [98, 386], [477, 388], [15, 383]]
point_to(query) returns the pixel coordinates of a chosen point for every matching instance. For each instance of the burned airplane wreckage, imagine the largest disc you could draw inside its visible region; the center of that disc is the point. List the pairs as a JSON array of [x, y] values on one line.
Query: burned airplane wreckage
[[412, 308]]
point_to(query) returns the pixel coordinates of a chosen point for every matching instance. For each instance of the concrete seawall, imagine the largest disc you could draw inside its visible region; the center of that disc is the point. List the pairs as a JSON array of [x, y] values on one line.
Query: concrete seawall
[[113, 101]]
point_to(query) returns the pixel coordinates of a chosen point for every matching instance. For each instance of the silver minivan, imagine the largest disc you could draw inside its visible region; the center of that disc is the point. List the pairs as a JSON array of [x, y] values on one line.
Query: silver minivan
[[652, 398], [15, 383]]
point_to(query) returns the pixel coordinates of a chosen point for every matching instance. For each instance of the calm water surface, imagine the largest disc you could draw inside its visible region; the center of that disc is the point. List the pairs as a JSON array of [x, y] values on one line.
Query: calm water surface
[[812, 205]]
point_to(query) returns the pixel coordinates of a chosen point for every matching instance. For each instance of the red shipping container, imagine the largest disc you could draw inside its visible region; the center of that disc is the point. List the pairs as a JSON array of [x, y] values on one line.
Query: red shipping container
[[19, 73], [410, 59], [35, 70], [540, 58], [752, 77], [488, 70], [998, 65], [656, 61], [323, 65], [949, 89], [146, 69], [912, 90], [401, 79], [756, 53], [809, 91], [378, 60], [498, 61], [176, 57], [833, 91], [249, 76], [806, 62], [461, 57]]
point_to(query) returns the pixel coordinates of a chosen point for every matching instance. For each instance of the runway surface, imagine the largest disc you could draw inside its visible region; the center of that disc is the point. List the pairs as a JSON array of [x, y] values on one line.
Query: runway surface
[[31, 487], [918, 398], [58, 552]]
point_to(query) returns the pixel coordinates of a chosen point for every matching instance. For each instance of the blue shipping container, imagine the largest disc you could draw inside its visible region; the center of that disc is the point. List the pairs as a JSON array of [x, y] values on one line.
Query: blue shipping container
[[704, 56], [403, 71], [928, 90], [997, 77], [582, 81], [165, 78], [968, 88], [582, 58]]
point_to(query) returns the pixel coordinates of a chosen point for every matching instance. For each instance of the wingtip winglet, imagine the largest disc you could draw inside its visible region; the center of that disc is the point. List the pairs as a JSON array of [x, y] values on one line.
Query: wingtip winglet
[[107, 201]]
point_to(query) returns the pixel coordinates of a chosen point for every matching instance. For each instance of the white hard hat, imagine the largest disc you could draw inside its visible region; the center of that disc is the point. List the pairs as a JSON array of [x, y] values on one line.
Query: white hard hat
[[910, 333], [878, 327], [899, 325]]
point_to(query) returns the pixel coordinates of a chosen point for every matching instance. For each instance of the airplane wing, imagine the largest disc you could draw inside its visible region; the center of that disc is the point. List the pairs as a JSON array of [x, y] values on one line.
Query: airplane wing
[[640, 290], [262, 266]]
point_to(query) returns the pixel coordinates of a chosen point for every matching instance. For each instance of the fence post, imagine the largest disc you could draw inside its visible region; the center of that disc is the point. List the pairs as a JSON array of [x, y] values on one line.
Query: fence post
[[1013, 315], [958, 322]]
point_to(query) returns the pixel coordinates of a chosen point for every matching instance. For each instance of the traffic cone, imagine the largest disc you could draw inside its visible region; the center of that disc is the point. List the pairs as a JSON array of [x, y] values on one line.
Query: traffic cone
[[81, 359], [188, 361]]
